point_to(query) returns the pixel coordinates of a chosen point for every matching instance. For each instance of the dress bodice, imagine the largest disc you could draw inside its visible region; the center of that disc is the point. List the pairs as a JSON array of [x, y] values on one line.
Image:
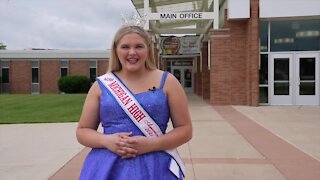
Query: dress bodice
[[114, 119]]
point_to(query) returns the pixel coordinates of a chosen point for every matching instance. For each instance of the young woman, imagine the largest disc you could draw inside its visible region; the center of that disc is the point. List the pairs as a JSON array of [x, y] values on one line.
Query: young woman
[[123, 151]]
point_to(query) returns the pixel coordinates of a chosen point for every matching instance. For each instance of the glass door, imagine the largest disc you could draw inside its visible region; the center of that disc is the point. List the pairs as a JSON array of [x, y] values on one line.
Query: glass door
[[184, 76], [281, 79], [307, 79]]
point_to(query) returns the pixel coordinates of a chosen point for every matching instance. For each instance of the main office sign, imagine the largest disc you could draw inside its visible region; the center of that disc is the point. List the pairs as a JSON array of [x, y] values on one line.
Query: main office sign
[[181, 16]]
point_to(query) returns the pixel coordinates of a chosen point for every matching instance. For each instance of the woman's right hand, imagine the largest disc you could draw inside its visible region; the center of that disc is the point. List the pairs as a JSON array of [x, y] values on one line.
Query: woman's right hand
[[116, 144]]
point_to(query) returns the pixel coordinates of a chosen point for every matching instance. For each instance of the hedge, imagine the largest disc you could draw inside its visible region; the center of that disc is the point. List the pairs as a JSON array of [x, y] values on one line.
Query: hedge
[[74, 84]]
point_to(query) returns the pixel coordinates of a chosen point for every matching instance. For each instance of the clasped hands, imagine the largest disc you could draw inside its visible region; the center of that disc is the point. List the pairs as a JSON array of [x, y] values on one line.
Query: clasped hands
[[128, 146]]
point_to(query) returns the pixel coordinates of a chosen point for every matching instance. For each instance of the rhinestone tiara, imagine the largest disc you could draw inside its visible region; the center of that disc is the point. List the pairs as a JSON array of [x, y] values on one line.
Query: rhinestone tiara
[[133, 20]]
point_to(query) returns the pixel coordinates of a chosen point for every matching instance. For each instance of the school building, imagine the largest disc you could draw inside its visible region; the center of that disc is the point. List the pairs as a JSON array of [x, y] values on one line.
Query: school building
[[229, 52]]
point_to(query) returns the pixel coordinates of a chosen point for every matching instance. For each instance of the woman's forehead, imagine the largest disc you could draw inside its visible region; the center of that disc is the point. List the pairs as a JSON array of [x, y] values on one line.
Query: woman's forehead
[[132, 37]]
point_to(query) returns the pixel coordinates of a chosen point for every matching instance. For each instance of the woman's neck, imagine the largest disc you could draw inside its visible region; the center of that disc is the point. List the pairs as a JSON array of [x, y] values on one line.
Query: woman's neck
[[133, 75]]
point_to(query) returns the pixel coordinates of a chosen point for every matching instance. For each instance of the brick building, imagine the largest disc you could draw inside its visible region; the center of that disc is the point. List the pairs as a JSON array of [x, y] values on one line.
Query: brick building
[[239, 52], [38, 71]]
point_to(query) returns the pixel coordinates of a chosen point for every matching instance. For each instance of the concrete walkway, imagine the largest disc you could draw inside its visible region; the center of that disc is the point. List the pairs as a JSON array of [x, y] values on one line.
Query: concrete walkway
[[229, 143]]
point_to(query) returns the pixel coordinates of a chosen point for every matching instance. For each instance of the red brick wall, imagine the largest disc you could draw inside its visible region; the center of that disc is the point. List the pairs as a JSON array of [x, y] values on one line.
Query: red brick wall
[[49, 76], [205, 72], [234, 61], [20, 76], [102, 66], [220, 67], [254, 53], [78, 67], [198, 78]]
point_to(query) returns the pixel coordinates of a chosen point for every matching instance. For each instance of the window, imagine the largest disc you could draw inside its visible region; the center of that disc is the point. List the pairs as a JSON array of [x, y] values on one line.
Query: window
[[295, 35], [35, 76], [64, 66], [5, 65], [93, 70], [169, 66], [264, 36], [263, 78]]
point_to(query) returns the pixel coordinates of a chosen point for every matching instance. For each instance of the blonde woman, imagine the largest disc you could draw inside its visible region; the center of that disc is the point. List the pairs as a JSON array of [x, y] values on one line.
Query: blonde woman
[[123, 151]]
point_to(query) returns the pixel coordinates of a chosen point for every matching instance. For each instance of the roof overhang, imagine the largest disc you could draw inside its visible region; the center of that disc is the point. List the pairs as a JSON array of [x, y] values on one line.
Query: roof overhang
[[195, 17]]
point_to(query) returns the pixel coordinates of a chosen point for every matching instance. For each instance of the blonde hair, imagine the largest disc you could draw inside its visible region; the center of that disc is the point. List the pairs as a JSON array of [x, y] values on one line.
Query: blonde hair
[[114, 62]]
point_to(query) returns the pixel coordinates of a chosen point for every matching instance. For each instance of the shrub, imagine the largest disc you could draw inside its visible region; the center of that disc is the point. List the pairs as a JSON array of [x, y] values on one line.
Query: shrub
[[74, 84]]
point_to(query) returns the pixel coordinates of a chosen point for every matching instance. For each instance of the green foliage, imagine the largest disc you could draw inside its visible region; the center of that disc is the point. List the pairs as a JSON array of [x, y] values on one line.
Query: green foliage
[[74, 84], [2, 46]]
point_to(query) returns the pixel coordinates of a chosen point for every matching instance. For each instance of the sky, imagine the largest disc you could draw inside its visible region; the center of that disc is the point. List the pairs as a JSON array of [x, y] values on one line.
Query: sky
[[61, 24]]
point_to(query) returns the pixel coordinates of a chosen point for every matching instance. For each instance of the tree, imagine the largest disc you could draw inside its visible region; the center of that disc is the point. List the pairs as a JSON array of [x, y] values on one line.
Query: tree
[[2, 46]]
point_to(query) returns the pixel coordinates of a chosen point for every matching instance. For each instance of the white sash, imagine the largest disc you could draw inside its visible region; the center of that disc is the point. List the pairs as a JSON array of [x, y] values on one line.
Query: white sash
[[139, 117]]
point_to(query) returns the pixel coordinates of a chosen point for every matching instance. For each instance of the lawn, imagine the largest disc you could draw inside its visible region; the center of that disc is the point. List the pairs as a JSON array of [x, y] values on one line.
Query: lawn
[[40, 108]]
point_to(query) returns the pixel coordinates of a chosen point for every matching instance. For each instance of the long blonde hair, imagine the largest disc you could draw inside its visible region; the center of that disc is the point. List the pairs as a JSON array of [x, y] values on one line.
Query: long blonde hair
[[114, 62]]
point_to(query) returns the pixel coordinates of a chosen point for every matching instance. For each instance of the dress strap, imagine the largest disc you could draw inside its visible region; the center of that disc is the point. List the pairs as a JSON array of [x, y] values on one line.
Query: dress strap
[[164, 77]]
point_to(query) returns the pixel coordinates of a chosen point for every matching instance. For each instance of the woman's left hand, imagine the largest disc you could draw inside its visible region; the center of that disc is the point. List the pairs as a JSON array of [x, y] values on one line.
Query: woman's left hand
[[140, 143]]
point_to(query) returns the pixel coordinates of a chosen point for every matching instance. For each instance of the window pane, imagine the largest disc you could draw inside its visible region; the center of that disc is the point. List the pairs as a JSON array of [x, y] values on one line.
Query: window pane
[[187, 77], [35, 75], [307, 88], [35, 88], [281, 88], [63, 64], [297, 35], [5, 75], [93, 74], [263, 94], [263, 71], [92, 64], [281, 69], [5, 64], [177, 74], [64, 72], [307, 68], [263, 36], [35, 64]]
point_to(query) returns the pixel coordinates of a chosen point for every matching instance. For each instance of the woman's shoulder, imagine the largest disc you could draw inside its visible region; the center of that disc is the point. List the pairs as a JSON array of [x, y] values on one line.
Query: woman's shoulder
[[95, 89]]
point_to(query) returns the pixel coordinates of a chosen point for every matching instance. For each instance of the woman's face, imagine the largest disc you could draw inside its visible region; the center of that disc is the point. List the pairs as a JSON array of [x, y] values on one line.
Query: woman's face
[[132, 51]]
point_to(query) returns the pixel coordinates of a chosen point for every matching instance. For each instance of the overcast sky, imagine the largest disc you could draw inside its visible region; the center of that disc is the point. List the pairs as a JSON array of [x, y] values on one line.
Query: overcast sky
[[61, 24]]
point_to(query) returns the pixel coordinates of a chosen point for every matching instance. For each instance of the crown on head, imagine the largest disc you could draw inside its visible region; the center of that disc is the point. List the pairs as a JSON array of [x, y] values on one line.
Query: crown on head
[[133, 20]]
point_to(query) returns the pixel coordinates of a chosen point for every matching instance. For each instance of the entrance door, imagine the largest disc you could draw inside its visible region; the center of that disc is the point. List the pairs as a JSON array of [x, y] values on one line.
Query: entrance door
[[307, 79], [184, 76], [294, 79], [281, 79]]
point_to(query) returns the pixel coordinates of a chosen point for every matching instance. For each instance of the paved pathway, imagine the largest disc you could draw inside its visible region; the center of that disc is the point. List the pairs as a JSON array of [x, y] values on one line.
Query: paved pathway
[[229, 143]]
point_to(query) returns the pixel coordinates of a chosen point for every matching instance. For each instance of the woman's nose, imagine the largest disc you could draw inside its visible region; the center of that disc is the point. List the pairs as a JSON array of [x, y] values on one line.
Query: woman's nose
[[132, 51]]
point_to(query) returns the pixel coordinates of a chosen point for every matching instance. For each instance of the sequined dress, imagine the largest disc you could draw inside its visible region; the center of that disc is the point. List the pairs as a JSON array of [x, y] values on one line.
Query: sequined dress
[[102, 164]]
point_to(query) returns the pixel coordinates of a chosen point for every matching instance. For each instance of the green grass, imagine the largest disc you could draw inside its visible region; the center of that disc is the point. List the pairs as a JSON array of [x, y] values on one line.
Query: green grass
[[40, 108]]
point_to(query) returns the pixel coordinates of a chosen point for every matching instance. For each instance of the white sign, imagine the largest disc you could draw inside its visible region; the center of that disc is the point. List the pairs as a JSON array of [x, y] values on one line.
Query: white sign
[[181, 16], [171, 45]]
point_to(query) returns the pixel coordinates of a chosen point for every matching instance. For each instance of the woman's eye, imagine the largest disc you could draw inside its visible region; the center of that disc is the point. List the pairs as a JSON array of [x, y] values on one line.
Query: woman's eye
[[140, 46], [124, 46]]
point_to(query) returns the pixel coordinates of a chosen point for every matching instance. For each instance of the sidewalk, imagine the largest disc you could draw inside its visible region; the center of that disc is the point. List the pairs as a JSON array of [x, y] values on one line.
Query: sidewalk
[[229, 143]]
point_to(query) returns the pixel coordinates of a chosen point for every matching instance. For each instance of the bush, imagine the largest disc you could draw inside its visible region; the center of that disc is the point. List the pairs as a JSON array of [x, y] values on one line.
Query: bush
[[74, 84]]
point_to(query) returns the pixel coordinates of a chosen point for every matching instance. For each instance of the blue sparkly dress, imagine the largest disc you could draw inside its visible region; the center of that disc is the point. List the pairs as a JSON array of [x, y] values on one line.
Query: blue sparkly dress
[[102, 164]]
